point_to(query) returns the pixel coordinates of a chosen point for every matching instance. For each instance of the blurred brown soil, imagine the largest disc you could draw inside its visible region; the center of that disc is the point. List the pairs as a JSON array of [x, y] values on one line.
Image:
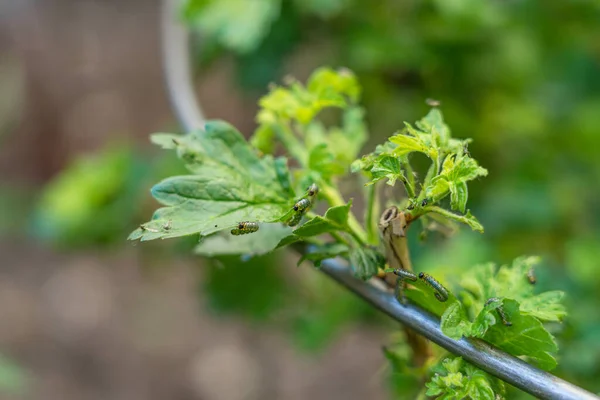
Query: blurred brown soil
[[102, 326]]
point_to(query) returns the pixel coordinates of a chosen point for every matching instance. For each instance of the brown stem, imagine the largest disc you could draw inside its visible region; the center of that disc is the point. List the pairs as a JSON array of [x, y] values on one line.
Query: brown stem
[[393, 225]]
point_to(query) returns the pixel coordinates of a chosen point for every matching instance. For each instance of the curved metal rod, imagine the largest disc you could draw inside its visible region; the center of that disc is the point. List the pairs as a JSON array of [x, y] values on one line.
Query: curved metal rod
[[498, 363], [177, 68]]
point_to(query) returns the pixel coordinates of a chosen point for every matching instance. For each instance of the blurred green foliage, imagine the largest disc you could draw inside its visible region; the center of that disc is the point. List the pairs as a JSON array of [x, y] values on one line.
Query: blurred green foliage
[[83, 197], [13, 379], [97, 198], [255, 288], [263, 290]]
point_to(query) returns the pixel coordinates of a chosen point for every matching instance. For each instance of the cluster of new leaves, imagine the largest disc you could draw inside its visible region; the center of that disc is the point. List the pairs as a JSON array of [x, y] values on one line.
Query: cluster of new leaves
[[288, 113], [455, 379], [451, 168]]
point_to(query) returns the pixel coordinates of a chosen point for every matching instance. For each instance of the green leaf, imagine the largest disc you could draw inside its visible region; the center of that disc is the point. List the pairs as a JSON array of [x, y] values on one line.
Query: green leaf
[[510, 282], [365, 261], [326, 88], [346, 141], [479, 385], [407, 144], [263, 241], [464, 169], [419, 293], [230, 184], [287, 240], [283, 175], [320, 253], [339, 214], [459, 193], [457, 170], [439, 188], [480, 282], [367, 161], [486, 318], [381, 164], [335, 219], [263, 139], [387, 167], [331, 151], [433, 123], [468, 218], [434, 387], [236, 24], [454, 322], [473, 222], [325, 83], [526, 337], [315, 134], [322, 160], [545, 306]]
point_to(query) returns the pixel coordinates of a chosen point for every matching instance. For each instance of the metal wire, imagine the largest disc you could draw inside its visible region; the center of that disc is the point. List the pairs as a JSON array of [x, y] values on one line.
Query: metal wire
[[498, 363]]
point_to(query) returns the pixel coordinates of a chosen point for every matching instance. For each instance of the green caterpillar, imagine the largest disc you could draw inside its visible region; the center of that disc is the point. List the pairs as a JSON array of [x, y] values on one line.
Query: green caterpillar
[[302, 205], [244, 228], [440, 291], [402, 275], [500, 311]]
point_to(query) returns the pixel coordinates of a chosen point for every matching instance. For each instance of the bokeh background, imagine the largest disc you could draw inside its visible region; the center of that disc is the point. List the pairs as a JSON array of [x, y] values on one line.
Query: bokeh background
[[86, 315]]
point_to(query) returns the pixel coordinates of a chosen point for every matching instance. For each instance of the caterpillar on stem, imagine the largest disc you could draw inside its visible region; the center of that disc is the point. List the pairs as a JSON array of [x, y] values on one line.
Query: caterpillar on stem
[[402, 276]]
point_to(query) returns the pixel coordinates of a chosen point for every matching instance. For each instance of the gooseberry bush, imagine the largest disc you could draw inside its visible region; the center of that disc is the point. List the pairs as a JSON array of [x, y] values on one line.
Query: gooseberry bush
[[240, 197]]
